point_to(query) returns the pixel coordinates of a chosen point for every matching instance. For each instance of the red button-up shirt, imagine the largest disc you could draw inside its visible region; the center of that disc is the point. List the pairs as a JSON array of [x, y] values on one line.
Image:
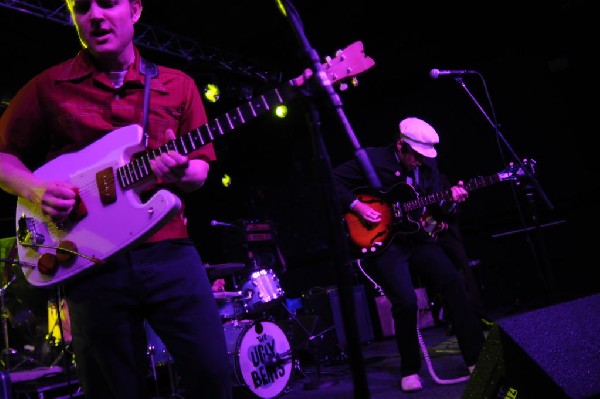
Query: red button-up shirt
[[73, 104]]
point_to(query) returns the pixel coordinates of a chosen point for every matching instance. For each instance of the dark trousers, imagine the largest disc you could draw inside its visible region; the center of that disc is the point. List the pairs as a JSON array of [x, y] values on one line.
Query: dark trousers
[[166, 285], [394, 269]]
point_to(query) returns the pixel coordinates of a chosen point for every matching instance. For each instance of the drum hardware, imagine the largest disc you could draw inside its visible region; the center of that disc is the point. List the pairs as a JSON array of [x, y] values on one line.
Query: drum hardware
[[7, 279], [59, 330], [311, 338], [159, 355], [9, 354], [230, 304], [7, 351], [59, 324]]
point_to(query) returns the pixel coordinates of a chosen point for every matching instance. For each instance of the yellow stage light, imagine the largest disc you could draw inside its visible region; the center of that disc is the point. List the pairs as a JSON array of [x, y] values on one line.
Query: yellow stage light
[[226, 180], [281, 111], [211, 92]]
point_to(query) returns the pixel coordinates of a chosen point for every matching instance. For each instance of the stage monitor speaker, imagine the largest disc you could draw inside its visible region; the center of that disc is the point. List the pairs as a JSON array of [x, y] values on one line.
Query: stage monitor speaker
[[553, 352]]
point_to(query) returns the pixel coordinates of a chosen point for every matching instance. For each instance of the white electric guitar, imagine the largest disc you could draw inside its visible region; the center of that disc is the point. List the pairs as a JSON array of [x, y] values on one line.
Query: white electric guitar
[[110, 175]]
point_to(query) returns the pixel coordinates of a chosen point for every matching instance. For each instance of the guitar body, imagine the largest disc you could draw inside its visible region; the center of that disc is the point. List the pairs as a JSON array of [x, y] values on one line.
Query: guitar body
[[106, 228], [371, 238], [403, 211]]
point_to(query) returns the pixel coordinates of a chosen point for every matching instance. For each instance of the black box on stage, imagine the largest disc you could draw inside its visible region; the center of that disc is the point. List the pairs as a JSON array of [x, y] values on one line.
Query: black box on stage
[[550, 352], [57, 387], [325, 302]]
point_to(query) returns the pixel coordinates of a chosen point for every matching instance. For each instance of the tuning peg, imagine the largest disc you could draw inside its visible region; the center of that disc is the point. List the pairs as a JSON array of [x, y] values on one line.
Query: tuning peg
[[328, 60], [340, 54], [344, 86]]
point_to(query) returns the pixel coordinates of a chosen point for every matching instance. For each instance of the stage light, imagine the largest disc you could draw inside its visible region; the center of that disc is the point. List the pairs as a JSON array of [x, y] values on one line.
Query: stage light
[[211, 92], [226, 180], [281, 111]]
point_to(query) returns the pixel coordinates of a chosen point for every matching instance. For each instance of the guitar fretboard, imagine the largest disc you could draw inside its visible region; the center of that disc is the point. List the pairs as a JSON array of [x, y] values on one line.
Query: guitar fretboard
[[139, 168], [470, 185]]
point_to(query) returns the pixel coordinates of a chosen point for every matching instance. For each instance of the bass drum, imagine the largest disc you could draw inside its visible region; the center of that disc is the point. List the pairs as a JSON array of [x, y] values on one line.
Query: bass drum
[[261, 356]]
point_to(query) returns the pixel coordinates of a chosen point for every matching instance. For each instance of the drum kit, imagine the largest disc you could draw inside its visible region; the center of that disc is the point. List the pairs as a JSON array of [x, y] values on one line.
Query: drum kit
[[259, 351]]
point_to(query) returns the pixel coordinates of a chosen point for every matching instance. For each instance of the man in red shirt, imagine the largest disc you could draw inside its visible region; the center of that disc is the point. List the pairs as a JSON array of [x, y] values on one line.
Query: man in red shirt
[[160, 280]]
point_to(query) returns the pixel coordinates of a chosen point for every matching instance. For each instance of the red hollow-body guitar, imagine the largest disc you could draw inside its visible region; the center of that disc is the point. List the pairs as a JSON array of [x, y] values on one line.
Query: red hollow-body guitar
[[403, 212]]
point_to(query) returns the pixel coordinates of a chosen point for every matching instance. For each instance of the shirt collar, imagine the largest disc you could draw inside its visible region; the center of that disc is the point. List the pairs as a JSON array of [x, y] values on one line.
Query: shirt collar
[[82, 67]]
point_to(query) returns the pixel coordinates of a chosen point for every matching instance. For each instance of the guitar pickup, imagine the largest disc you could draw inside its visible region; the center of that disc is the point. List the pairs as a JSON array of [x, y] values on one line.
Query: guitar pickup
[[105, 182]]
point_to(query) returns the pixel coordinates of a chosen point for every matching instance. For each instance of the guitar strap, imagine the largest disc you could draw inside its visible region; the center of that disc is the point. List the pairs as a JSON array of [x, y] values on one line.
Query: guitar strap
[[150, 70]]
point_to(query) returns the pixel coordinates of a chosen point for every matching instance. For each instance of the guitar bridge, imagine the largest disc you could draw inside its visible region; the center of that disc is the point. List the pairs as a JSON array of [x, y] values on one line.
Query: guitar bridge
[[27, 233]]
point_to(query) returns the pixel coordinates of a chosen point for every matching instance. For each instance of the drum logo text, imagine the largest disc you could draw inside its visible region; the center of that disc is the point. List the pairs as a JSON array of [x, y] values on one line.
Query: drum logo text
[[268, 366]]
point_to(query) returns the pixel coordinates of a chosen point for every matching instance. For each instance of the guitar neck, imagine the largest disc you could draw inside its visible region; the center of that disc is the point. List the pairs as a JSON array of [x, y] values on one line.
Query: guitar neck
[[138, 169], [470, 185], [347, 63]]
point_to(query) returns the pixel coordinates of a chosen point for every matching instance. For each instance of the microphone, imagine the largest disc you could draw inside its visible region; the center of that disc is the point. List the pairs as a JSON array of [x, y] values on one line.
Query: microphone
[[217, 223], [436, 73]]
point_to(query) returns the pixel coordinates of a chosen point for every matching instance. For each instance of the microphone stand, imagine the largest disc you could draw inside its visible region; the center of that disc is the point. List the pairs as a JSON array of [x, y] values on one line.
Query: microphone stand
[[342, 259], [532, 183]]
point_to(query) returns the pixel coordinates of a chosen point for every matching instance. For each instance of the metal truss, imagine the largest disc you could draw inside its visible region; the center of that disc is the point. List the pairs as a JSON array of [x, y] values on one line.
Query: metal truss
[[155, 39]]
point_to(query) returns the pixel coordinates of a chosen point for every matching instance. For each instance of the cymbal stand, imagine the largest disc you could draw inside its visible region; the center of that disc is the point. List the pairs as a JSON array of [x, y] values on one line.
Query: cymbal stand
[[173, 382], [7, 351], [319, 382], [151, 351]]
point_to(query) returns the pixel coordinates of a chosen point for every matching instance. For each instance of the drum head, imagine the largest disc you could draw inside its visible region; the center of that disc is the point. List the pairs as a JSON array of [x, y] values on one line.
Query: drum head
[[262, 291], [264, 359]]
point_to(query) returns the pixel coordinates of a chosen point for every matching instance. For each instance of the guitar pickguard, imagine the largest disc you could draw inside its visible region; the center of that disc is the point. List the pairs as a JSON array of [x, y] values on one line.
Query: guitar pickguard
[[106, 228]]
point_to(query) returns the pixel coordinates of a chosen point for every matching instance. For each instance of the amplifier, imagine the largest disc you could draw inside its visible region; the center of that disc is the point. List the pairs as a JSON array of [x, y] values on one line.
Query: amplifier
[[258, 231]]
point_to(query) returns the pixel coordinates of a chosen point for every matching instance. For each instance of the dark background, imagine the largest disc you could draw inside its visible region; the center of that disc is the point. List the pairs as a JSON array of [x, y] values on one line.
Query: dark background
[[535, 68]]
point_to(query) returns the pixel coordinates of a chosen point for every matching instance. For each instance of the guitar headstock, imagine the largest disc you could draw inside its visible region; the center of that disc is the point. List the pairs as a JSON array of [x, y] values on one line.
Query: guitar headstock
[[346, 65], [517, 171]]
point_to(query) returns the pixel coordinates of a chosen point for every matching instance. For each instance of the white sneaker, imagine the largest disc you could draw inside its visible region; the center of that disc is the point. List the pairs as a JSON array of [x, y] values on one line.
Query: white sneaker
[[411, 383]]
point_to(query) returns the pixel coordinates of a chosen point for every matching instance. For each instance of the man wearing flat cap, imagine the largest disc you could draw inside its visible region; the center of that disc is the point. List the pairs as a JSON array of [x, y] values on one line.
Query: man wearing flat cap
[[400, 243]]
